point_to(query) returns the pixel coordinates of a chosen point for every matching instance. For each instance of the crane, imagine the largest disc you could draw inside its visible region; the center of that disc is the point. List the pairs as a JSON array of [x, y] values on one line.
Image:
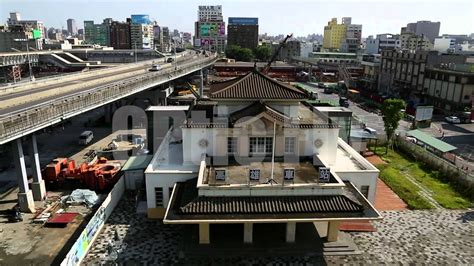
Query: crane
[[275, 54]]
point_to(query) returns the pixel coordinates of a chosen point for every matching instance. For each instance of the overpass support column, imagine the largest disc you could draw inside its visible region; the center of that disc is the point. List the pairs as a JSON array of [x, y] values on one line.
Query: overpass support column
[[201, 83], [25, 197], [38, 187]]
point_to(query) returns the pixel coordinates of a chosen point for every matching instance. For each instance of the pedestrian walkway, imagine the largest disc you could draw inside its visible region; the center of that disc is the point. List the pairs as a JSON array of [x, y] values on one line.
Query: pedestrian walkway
[[386, 199]]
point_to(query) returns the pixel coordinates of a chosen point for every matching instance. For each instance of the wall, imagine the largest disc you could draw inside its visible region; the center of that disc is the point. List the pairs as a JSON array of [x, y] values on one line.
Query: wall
[[93, 227]]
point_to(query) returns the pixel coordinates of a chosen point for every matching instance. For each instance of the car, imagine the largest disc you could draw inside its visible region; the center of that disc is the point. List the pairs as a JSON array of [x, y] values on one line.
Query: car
[[321, 85], [453, 119], [371, 130], [86, 137], [169, 60], [155, 68]]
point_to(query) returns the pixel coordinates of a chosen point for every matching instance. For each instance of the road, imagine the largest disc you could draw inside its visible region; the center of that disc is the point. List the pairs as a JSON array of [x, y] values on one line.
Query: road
[[25, 98]]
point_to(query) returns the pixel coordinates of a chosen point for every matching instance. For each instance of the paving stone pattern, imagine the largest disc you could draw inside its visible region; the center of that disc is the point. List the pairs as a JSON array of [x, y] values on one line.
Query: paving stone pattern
[[421, 237]]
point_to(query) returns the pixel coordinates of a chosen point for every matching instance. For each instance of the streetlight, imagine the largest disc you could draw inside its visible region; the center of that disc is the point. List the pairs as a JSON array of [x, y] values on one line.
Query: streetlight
[[32, 77]]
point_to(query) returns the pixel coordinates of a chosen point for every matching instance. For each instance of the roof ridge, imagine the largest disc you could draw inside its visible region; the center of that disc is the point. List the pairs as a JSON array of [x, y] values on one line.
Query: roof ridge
[[294, 89], [238, 80]]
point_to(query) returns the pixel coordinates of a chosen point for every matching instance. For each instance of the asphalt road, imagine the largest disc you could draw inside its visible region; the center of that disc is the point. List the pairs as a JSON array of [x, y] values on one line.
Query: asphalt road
[[5, 99]]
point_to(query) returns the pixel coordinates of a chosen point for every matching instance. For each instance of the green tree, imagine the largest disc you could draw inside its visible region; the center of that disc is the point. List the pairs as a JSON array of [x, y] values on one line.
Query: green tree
[[231, 51], [244, 54], [263, 53], [391, 110]]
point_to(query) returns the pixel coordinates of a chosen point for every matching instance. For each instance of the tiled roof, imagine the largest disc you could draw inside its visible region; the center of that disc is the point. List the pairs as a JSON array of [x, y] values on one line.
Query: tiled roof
[[255, 85], [270, 205], [255, 109]]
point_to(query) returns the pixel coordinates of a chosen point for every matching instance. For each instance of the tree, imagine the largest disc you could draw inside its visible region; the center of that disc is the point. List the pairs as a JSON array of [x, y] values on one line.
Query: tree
[[244, 54], [391, 110], [263, 53], [231, 51]]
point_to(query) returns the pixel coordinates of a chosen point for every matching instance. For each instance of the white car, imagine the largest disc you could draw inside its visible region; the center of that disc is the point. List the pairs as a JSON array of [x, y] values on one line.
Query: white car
[[155, 68], [453, 119]]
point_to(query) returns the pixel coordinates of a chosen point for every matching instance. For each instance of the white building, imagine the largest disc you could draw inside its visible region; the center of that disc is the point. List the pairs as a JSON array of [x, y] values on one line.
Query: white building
[[210, 13], [15, 19], [444, 45], [255, 152], [382, 42]]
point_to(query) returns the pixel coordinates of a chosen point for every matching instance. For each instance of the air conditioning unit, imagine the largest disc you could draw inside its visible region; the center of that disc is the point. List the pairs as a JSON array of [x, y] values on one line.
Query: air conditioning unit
[[254, 174], [220, 174]]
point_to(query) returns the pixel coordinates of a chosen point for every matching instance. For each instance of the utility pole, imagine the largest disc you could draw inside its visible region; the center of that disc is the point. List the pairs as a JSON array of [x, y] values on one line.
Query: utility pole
[[32, 77]]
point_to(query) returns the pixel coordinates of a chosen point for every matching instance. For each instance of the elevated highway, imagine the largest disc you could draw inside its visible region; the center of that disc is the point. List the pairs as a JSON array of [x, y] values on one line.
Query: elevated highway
[[30, 107]]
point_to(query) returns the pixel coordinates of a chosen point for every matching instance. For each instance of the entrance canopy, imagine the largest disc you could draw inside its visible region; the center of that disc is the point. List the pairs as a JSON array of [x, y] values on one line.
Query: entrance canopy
[[431, 141]]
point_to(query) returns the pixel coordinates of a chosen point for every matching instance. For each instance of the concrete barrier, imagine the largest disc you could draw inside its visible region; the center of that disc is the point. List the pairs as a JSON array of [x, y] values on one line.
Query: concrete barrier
[[82, 245]]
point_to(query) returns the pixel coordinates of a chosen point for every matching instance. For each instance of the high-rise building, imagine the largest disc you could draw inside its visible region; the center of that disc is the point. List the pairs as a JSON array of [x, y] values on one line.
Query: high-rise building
[[157, 36], [120, 35], [424, 28], [343, 37], [28, 25], [141, 32], [411, 41], [210, 29], [242, 32], [382, 42], [96, 33], [166, 44], [72, 27]]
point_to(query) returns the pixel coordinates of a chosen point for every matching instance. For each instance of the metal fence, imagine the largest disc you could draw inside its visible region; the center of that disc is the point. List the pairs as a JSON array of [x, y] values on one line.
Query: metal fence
[[33, 118], [452, 171]]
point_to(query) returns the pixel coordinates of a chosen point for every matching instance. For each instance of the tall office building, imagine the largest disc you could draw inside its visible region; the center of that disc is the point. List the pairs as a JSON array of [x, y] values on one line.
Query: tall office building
[[242, 32], [120, 35], [141, 32], [334, 34], [344, 37], [210, 29], [72, 27], [96, 33], [428, 29]]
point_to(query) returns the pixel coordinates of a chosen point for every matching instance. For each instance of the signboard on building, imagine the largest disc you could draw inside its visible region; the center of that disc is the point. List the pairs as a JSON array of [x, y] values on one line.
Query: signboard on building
[[324, 174], [243, 21], [140, 19], [207, 42], [211, 29], [424, 113], [197, 43], [36, 34]]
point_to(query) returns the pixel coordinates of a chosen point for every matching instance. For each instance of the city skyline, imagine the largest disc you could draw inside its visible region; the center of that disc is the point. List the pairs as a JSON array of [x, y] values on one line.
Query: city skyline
[[375, 18]]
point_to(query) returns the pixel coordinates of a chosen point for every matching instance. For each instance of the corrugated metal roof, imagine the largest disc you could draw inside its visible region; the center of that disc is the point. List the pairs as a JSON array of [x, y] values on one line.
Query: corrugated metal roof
[[431, 141], [255, 85], [270, 205]]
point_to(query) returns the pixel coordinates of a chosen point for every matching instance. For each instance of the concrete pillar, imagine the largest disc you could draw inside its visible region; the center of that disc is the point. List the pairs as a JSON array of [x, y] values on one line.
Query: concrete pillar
[[290, 232], [38, 187], [108, 113], [248, 232], [201, 83], [322, 228], [204, 233], [333, 231], [25, 197]]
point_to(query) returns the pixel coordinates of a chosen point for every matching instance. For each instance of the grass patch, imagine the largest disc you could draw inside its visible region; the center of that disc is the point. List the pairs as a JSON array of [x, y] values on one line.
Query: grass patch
[[446, 193], [403, 188]]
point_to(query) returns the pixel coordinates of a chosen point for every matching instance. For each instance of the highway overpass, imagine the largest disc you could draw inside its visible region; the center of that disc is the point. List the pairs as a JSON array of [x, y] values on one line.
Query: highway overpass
[[29, 107]]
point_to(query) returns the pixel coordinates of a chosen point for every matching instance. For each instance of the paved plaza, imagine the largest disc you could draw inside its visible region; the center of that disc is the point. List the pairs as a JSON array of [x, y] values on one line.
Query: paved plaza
[[422, 237]]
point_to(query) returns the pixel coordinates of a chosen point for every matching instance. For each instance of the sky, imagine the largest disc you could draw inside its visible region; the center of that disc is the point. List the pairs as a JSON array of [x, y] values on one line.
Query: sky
[[300, 17]]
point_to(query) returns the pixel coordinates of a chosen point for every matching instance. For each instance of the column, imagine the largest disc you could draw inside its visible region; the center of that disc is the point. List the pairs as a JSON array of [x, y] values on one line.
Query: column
[[248, 233], [204, 233], [333, 231], [38, 186], [25, 197], [290, 232]]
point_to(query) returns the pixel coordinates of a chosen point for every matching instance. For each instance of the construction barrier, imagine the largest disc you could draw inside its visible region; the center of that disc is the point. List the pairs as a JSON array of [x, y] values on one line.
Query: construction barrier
[[82, 245]]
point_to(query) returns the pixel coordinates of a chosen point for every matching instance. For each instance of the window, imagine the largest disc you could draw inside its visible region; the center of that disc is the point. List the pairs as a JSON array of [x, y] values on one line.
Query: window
[[290, 144], [261, 145], [231, 145], [159, 196], [365, 191]]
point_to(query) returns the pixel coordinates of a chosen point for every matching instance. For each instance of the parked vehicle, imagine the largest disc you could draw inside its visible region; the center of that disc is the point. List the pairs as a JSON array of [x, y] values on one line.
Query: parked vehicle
[[328, 90], [370, 130], [169, 60], [86, 137], [344, 102], [321, 85], [155, 67], [452, 119]]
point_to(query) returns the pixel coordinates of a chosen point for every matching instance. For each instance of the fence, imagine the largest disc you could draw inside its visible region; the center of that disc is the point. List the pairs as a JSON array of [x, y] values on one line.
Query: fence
[[82, 245], [453, 172], [48, 113]]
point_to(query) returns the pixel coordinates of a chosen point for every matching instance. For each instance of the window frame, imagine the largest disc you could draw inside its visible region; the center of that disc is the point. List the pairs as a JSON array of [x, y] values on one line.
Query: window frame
[[290, 145]]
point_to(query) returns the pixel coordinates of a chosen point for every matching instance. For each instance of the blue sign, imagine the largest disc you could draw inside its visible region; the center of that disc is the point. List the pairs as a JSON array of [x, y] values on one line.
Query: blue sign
[[243, 21], [140, 19]]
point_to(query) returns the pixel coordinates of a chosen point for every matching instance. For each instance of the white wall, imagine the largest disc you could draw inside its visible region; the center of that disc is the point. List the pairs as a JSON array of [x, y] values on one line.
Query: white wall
[[166, 181]]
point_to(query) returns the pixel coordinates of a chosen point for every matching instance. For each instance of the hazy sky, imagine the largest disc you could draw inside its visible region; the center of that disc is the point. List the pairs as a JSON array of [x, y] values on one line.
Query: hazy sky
[[300, 17]]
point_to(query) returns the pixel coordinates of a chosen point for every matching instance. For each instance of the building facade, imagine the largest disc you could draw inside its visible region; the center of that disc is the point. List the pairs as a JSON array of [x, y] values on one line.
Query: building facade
[[382, 42], [15, 37], [96, 33], [209, 30], [428, 29], [334, 34], [120, 35], [71, 27], [15, 19], [141, 32], [351, 43], [445, 45], [411, 41], [256, 142], [242, 32]]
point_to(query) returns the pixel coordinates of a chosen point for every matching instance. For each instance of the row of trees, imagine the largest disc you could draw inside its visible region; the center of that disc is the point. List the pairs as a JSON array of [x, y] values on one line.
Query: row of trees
[[261, 53]]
